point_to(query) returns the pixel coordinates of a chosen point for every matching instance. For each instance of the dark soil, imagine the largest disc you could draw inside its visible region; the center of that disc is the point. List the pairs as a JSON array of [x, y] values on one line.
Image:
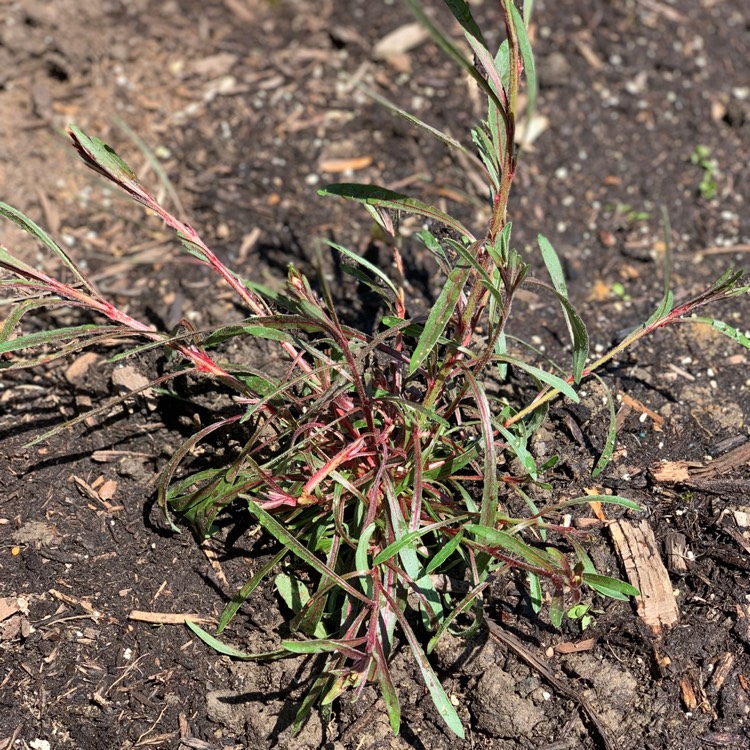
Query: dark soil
[[246, 103]]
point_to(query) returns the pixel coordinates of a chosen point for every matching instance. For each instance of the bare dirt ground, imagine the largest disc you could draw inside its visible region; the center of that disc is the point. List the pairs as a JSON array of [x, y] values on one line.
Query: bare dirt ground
[[249, 106]]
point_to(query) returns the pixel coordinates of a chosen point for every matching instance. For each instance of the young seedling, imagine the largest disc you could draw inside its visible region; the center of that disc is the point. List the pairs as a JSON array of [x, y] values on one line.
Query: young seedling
[[375, 459], [701, 157]]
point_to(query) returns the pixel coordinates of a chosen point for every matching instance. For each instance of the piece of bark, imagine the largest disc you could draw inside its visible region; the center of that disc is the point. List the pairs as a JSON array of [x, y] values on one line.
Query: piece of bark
[[725, 464], [722, 670], [636, 545], [693, 695], [742, 624], [568, 647], [675, 545], [670, 472]]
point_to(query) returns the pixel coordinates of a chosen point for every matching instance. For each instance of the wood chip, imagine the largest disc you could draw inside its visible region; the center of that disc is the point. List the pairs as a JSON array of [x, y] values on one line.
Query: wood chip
[[693, 694], [676, 549], [575, 648], [213, 558], [8, 607], [108, 489], [636, 545], [725, 464], [75, 601], [588, 54], [403, 39], [128, 378], [334, 166], [169, 618], [657, 419], [722, 669], [77, 371], [670, 472], [107, 456]]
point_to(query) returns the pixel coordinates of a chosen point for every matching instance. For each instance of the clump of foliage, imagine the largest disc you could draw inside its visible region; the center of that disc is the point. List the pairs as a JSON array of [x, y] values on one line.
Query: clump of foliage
[[376, 459]]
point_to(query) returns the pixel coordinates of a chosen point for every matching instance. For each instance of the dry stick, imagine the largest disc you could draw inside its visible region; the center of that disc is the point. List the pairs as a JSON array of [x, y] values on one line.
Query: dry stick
[[168, 618], [511, 642]]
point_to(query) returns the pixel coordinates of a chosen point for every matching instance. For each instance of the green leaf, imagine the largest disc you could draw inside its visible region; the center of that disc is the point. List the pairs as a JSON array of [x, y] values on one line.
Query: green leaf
[[388, 690], [407, 539], [517, 445], [557, 608], [443, 137], [260, 331], [378, 196], [554, 267], [29, 226], [497, 538], [488, 155], [241, 596], [56, 336], [607, 499], [611, 587], [490, 489], [578, 331], [576, 328], [439, 316], [609, 447], [454, 463], [361, 557], [543, 376], [286, 538], [450, 49], [527, 56], [462, 14], [98, 155], [429, 414], [535, 592], [292, 591], [223, 648], [463, 606], [466, 254], [437, 692], [371, 267], [323, 645], [444, 552], [722, 327]]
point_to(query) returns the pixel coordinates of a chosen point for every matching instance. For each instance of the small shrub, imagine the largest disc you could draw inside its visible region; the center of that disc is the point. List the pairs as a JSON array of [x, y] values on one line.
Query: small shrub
[[375, 459]]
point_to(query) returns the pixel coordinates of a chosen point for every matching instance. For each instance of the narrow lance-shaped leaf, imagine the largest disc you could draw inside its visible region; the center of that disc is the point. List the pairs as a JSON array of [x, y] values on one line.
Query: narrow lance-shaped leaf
[[437, 692], [462, 14], [40, 338], [371, 267], [444, 553], [407, 539], [497, 538], [439, 316], [443, 137], [517, 444], [239, 598], [609, 446], [390, 698], [527, 56], [29, 226], [555, 270], [724, 328], [611, 587], [223, 648], [490, 486], [543, 376], [379, 196], [284, 536], [578, 331]]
